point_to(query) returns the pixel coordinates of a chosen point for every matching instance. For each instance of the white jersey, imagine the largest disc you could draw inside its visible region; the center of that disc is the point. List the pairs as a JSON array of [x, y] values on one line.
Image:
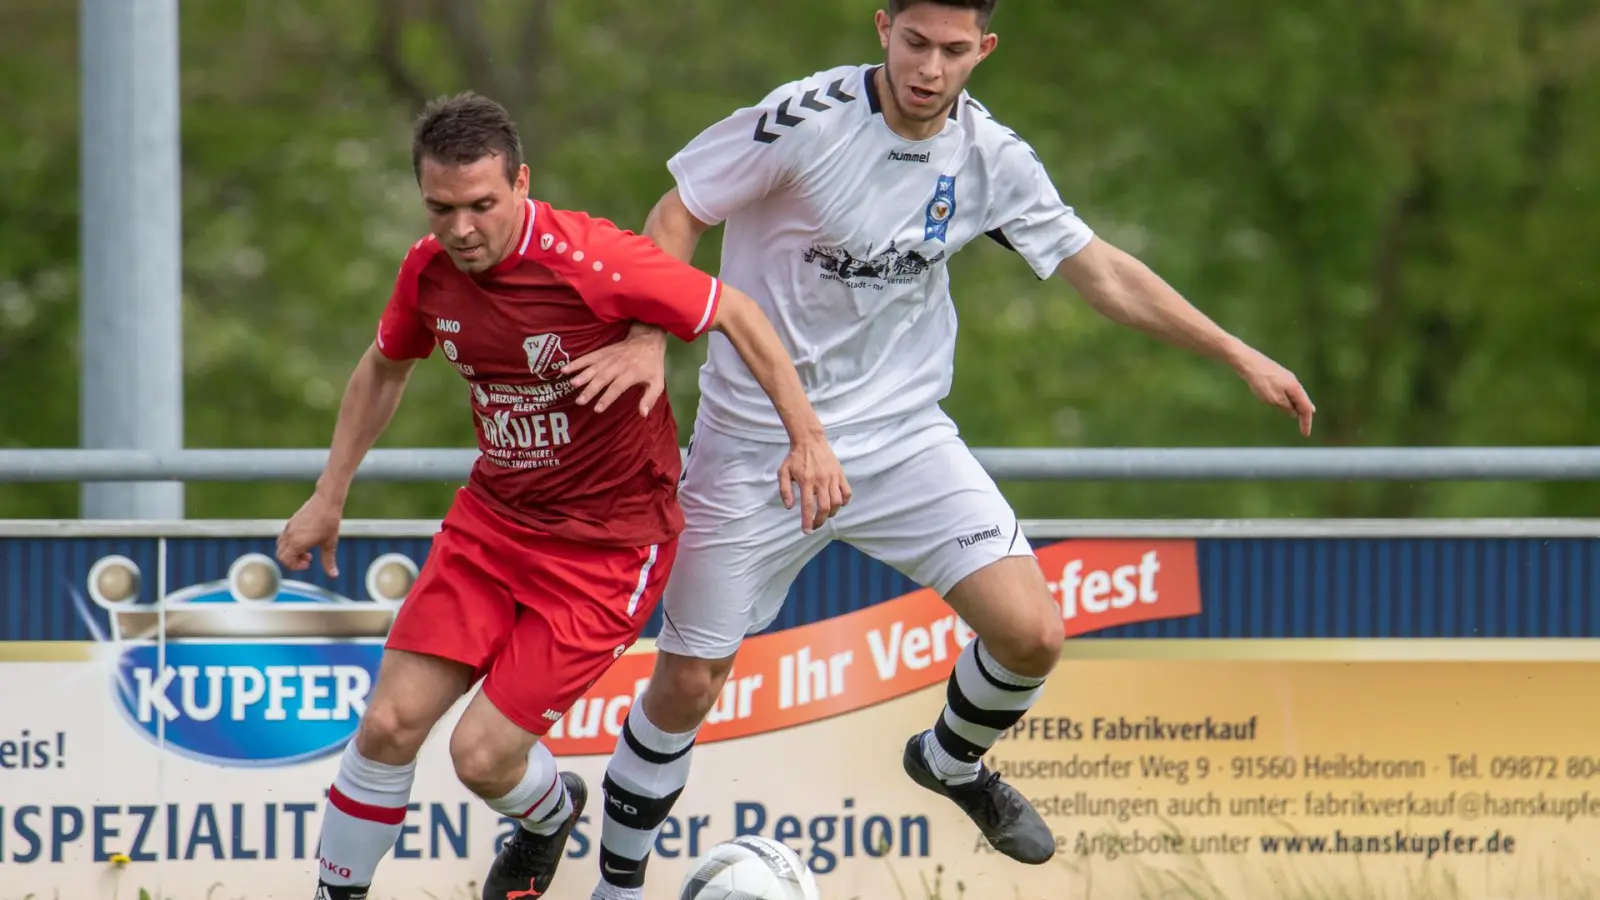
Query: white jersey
[[842, 230]]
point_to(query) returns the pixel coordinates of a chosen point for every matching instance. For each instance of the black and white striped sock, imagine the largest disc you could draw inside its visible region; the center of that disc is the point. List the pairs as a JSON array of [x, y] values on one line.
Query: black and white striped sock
[[646, 774], [983, 700]]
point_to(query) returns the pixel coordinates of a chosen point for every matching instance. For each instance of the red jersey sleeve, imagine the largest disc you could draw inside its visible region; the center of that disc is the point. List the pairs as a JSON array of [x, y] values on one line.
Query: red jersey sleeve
[[401, 332], [625, 276]]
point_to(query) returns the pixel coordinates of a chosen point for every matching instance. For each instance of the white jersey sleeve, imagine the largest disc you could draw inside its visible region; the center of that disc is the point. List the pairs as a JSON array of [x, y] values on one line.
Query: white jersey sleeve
[[738, 160], [1027, 213]]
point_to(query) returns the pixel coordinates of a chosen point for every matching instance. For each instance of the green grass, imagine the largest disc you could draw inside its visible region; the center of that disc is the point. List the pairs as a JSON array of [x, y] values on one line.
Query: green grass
[[1188, 876], [1566, 875]]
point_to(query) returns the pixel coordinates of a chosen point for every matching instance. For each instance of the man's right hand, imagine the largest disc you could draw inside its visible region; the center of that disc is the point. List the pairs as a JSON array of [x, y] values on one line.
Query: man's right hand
[[314, 525], [638, 359], [812, 472]]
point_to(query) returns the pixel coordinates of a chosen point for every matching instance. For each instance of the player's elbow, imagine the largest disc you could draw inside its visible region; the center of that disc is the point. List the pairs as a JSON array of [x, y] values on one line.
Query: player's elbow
[[1106, 278], [736, 313]]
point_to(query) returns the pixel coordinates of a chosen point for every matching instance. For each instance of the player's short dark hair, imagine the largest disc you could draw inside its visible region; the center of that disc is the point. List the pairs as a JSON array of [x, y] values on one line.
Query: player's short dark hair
[[984, 8], [463, 129]]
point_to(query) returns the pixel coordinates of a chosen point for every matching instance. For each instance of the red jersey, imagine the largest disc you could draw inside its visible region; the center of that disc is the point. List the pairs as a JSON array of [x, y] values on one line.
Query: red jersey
[[572, 284]]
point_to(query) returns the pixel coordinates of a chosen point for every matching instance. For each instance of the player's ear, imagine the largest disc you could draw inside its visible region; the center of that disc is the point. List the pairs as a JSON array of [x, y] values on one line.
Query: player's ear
[[987, 44], [521, 184], [884, 24]]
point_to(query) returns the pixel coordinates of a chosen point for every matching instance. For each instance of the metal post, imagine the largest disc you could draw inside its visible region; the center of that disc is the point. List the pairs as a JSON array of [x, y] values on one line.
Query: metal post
[[131, 369]]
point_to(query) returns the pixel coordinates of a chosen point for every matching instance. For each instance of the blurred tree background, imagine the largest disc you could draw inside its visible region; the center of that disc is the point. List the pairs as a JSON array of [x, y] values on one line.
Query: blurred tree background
[[1398, 201]]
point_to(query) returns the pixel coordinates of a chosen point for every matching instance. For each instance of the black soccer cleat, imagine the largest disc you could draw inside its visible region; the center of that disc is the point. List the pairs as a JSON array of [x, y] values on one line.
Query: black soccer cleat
[[340, 892], [1002, 814], [527, 863]]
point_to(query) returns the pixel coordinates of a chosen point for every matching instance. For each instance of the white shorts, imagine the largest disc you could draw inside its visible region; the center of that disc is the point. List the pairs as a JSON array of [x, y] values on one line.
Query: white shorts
[[920, 502]]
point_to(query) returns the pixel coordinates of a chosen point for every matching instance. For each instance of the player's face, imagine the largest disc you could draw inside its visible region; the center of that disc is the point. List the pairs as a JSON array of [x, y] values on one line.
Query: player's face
[[474, 211], [930, 53]]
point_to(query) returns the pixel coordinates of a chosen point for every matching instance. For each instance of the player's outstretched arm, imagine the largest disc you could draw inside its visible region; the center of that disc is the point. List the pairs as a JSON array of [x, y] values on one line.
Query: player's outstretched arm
[[1126, 291], [811, 464], [371, 397]]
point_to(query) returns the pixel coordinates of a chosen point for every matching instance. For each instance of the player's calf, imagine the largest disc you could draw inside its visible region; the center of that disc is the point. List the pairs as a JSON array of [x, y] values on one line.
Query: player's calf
[[368, 798], [366, 809], [997, 679], [518, 777], [650, 767]]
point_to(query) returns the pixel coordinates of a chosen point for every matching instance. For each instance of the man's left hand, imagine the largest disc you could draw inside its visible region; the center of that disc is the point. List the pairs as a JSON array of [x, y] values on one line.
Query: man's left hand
[[1276, 386], [637, 360]]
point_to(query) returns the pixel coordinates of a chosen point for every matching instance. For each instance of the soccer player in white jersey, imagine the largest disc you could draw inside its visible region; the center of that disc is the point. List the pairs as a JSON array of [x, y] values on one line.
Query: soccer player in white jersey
[[844, 196]]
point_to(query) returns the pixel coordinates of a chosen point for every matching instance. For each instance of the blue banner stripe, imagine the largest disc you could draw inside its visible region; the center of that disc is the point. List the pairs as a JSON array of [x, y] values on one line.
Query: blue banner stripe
[[1251, 588]]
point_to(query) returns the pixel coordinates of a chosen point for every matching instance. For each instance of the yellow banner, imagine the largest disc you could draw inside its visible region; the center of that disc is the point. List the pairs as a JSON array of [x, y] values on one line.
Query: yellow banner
[[1306, 780]]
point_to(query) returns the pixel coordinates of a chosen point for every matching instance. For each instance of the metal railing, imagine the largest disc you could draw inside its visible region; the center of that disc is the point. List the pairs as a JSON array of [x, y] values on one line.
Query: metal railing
[[1006, 464], [1035, 529]]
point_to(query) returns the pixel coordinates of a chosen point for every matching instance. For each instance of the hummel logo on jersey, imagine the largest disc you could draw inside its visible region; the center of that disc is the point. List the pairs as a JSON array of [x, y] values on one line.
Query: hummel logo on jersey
[[787, 119], [898, 156], [978, 537]]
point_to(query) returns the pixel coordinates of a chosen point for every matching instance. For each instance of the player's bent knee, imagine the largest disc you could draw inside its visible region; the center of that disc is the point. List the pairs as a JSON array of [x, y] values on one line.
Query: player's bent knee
[[1041, 650], [488, 749], [1030, 645], [487, 768], [1010, 608], [391, 734], [683, 690], [1030, 653], [489, 761]]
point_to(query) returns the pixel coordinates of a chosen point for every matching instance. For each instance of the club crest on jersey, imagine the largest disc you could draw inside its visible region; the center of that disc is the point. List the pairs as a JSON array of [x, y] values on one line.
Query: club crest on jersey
[[941, 209], [546, 359]]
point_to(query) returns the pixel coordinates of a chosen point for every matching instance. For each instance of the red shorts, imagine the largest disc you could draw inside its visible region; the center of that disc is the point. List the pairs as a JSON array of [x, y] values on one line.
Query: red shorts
[[539, 618]]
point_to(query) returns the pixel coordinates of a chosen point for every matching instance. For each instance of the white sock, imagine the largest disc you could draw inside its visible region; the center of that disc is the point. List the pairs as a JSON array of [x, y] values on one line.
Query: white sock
[[366, 808], [607, 891], [949, 769], [539, 801]]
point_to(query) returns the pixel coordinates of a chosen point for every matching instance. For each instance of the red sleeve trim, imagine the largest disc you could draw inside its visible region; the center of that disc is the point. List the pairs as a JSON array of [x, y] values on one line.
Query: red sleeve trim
[[713, 300]]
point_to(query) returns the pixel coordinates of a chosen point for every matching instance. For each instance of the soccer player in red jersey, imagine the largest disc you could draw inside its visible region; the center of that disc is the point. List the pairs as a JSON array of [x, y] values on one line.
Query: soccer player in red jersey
[[553, 556]]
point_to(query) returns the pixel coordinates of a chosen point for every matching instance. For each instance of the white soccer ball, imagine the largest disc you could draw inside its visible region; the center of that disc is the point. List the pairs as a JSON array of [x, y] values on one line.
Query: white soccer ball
[[749, 868]]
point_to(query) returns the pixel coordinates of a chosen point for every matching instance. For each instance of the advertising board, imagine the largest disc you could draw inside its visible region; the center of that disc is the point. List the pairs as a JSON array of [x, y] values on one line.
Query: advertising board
[[1298, 717]]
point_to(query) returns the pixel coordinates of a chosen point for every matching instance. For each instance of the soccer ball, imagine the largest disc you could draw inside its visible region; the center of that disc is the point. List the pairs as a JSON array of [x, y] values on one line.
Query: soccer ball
[[749, 868]]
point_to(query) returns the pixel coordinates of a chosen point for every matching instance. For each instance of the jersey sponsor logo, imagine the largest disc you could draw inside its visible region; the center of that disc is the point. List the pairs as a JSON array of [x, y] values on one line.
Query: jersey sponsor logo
[[941, 209], [505, 430], [546, 359], [515, 440], [875, 272], [236, 683], [447, 326], [453, 354], [521, 397], [902, 156]]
